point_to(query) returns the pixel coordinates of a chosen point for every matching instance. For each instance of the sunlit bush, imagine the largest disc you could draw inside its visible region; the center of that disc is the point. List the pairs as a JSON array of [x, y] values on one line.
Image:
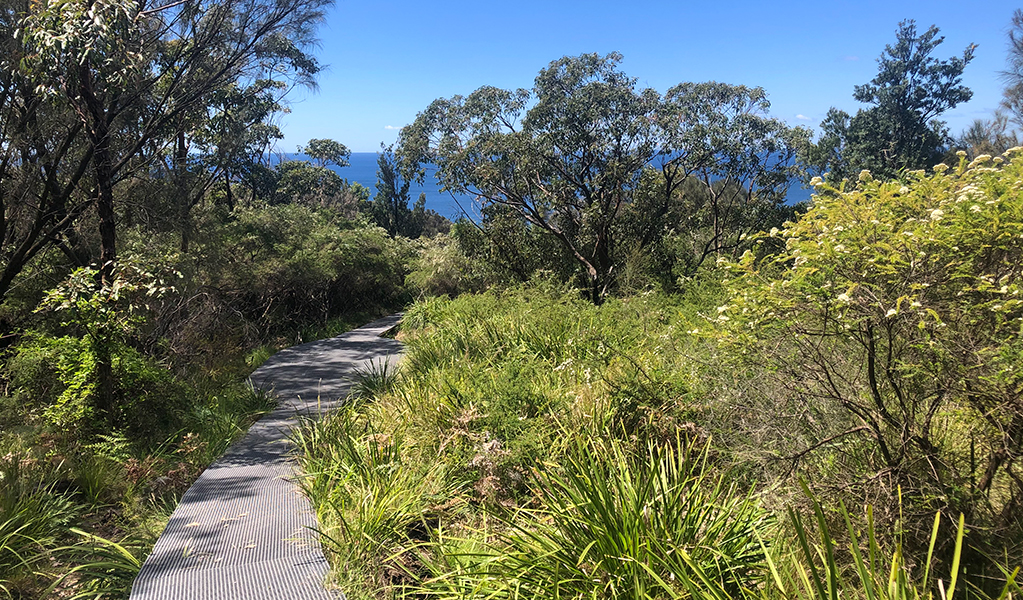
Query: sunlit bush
[[893, 321]]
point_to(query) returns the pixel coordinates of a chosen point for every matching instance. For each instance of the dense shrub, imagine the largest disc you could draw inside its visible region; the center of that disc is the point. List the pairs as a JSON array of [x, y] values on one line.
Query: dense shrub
[[533, 445], [495, 389], [56, 377], [890, 328], [285, 266]]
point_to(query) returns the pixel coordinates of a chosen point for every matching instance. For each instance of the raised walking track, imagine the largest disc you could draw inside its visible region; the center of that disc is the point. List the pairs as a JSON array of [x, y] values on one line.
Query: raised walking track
[[243, 530]]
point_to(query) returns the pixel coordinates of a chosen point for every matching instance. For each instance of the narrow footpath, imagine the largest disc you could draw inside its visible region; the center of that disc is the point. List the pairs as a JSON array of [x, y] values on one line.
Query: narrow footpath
[[243, 530]]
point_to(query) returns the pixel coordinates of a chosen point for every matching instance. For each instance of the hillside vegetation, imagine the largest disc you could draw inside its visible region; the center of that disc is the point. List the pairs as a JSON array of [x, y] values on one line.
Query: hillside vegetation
[[832, 419], [640, 373]]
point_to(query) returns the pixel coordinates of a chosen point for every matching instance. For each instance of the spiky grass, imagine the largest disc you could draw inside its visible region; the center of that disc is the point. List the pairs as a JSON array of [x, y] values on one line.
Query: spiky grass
[[613, 524], [809, 568], [377, 378], [103, 569]]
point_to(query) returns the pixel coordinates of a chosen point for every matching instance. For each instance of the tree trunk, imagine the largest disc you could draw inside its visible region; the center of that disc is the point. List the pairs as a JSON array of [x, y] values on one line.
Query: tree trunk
[[181, 188], [108, 257], [230, 196], [102, 162]]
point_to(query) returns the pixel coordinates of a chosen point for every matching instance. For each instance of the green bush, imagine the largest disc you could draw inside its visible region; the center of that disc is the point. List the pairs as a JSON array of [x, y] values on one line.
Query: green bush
[[287, 266], [441, 269], [56, 376], [891, 323]]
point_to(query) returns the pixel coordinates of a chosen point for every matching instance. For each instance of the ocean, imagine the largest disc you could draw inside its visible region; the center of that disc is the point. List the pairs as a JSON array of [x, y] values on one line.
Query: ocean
[[362, 169]]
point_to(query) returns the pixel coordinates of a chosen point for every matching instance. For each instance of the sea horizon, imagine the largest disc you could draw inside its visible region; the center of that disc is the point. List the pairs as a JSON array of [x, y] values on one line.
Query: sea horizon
[[362, 169]]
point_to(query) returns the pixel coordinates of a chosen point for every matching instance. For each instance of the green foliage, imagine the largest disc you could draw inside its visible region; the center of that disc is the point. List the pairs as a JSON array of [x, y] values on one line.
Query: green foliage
[[988, 136], [57, 377], [505, 249], [105, 568], [809, 567], [302, 182], [565, 159], [368, 495], [114, 485], [326, 152], [893, 314], [33, 517], [491, 386], [440, 268], [378, 378], [289, 265], [1012, 99], [672, 238], [900, 131], [535, 445], [316, 186], [390, 208], [219, 418], [104, 93], [614, 525]]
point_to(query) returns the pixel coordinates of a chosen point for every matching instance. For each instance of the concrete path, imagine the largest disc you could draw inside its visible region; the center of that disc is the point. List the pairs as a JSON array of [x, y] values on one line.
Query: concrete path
[[242, 531]]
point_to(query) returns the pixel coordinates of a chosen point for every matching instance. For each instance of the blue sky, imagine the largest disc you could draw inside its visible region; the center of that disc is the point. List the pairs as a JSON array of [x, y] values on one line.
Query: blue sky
[[388, 59]]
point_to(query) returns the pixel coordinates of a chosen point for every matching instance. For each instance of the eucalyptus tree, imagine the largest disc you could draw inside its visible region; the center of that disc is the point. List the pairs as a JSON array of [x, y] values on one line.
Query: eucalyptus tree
[[233, 137], [134, 72], [325, 152], [569, 156], [724, 170], [128, 79], [43, 160]]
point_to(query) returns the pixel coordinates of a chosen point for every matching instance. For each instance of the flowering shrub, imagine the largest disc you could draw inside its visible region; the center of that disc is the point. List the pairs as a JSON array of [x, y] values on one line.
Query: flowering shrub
[[894, 316]]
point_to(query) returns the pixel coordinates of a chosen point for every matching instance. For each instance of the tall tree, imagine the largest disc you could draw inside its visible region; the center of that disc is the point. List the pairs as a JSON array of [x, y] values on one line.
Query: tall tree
[[43, 160], [724, 163], [567, 164], [325, 152], [134, 72], [900, 130], [390, 207], [569, 155], [1012, 100]]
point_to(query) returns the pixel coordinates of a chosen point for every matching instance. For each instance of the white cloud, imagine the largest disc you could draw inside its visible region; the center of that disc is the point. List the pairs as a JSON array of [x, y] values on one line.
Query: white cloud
[[803, 117], [391, 127], [851, 58]]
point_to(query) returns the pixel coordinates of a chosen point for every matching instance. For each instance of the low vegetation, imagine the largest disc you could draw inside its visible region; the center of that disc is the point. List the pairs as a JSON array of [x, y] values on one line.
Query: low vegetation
[[707, 444], [87, 483]]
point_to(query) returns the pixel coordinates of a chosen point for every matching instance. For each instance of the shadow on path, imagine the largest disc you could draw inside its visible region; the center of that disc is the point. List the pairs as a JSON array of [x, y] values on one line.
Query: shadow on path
[[243, 531]]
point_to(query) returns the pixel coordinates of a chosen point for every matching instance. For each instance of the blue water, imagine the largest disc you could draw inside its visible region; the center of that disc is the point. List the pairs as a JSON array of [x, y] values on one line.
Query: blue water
[[363, 170]]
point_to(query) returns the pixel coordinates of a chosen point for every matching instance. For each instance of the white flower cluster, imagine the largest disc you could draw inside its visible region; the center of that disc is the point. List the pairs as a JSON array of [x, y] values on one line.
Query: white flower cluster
[[983, 158]]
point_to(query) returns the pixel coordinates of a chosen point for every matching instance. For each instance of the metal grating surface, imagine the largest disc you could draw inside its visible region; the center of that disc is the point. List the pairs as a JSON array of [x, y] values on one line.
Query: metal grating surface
[[243, 530]]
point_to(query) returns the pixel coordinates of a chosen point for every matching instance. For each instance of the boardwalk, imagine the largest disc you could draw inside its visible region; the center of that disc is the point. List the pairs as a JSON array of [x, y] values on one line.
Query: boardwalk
[[242, 531]]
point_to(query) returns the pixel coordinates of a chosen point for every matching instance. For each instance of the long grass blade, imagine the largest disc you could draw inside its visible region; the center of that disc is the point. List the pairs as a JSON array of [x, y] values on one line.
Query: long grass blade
[[956, 557], [930, 550]]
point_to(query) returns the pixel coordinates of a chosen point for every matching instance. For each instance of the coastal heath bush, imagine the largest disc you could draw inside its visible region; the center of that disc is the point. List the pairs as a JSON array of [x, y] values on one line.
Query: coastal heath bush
[[891, 328]]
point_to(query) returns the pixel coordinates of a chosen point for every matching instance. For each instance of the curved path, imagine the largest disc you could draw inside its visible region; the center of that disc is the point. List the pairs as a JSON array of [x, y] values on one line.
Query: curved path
[[242, 531]]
